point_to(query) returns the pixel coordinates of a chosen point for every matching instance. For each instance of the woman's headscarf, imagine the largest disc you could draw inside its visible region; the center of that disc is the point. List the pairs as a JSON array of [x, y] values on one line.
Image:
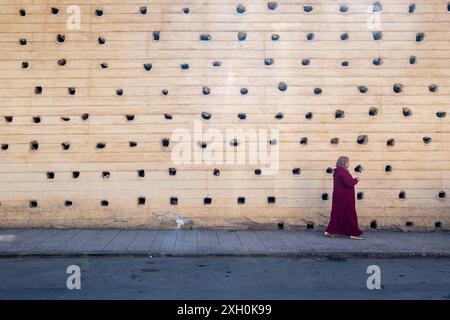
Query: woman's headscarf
[[342, 161]]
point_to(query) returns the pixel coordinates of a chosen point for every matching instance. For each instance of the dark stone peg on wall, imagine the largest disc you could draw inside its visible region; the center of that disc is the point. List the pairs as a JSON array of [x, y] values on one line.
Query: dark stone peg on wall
[[98, 12], [60, 38], [282, 86], [310, 36], [272, 5], [54, 10], [147, 66], [205, 37], [240, 8], [25, 65], [377, 61], [268, 61], [420, 36], [143, 10], [156, 35]]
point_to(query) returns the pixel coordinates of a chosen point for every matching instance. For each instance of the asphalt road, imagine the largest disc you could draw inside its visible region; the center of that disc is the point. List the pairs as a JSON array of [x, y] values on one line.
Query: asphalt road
[[222, 278]]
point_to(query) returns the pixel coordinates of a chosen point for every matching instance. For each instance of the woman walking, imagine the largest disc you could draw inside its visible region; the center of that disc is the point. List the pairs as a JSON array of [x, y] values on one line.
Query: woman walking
[[343, 219]]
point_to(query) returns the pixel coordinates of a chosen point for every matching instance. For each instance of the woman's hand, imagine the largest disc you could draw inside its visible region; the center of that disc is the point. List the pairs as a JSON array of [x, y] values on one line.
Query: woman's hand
[[357, 179]]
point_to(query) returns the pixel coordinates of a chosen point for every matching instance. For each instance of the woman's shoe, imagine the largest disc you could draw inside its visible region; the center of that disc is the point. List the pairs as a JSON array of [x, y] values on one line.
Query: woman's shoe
[[356, 238], [329, 235]]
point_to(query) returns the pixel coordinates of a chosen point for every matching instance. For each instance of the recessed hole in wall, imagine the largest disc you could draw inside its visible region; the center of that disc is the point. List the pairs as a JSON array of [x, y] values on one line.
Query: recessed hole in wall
[[8, 118], [98, 12], [258, 172], [412, 8], [25, 64], [71, 90], [310, 36], [307, 9], [409, 224], [360, 195], [338, 114], [148, 66], [268, 61], [244, 91], [216, 172], [241, 36], [60, 38], [186, 10], [334, 141], [412, 60], [305, 62], [205, 37], [325, 196], [275, 37], [106, 174], [377, 35], [5, 146], [344, 36], [397, 88], [344, 64], [309, 226], [165, 92], [402, 195], [234, 142], [420, 36], [216, 63], [143, 10], [85, 116], [426, 140], [202, 144], [207, 200], [359, 168], [242, 116], [132, 144], [156, 35], [184, 66], [373, 111], [271, 199], [309, 115], [23, 41], [100, 145], [104, 65], [433, 88], [390, 142], [38, 90], [172, 171], [362, 139], [119, 92], [173, 201], [50, 175], [54, 10], [65, 119], [240, 8], [33, 204], [206, 115], [68, 203], [241, 200], [165, 142], [362, 89], [442, 194], [141, 173], [304, 140], [104, 203], [406, 112], [75, 174], [168, 116], [280, 226], [373, 224], [206, 90], [441, 114], [279, 116], [34, 145], [62, 62], [296, 171], [329, 170], [438, 224], [377, 7], [377, 61], [272, 5], [448, 6], [36, 119], [388, 168], [282, 86], [129, 117], [141, 201], [317, 91]]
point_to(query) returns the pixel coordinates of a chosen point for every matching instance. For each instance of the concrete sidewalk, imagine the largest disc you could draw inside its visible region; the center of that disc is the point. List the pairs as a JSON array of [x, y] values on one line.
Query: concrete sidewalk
[[382, 244]]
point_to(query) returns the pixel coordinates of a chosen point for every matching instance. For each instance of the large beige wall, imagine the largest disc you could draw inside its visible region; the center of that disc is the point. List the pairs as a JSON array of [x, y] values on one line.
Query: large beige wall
[[421, 170]]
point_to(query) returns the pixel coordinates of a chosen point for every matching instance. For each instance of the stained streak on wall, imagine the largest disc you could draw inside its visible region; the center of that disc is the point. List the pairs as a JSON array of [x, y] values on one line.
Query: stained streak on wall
[[85, 112]]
